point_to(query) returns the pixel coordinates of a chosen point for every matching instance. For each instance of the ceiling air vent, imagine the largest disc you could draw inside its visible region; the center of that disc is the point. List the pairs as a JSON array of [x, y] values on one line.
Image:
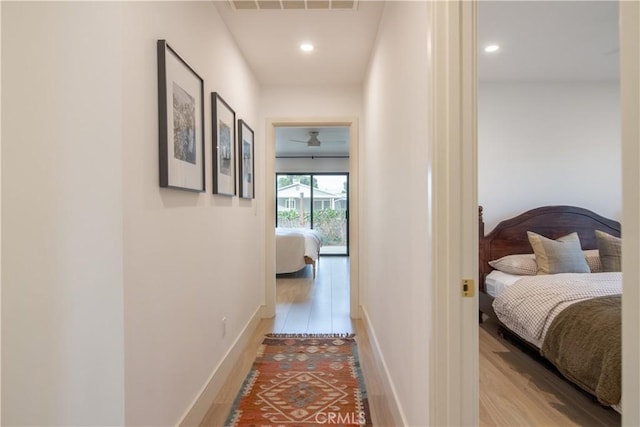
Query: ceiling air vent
[[293, 4]]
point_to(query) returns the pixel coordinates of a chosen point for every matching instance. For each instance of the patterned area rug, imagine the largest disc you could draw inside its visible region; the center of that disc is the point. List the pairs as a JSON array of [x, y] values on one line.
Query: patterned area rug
[[303, 380]]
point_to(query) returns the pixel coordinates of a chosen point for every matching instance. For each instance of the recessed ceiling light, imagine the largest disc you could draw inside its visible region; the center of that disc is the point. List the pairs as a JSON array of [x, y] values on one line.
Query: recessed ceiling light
[[492, 48], [306, 47]]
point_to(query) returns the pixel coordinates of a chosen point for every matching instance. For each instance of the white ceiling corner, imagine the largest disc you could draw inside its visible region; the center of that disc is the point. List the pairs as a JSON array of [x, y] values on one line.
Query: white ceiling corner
[[269, 40]]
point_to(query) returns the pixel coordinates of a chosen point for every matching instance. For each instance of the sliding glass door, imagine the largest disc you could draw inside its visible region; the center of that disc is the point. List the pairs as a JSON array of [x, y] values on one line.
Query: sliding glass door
[[319, 201], [329, 210]]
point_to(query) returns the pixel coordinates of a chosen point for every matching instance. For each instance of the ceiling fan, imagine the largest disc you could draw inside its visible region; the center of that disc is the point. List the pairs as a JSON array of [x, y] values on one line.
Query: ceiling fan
[[313, 140]]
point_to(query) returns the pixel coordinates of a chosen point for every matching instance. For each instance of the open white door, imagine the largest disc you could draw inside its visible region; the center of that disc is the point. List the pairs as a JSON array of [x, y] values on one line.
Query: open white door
[[454, 382]]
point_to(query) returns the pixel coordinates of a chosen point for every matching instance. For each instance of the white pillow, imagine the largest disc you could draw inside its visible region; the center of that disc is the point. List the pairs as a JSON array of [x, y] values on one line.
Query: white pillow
[[520, 264]]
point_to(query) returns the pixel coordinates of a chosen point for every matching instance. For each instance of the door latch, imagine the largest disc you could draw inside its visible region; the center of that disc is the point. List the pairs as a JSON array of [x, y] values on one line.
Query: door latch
[[468, 288]]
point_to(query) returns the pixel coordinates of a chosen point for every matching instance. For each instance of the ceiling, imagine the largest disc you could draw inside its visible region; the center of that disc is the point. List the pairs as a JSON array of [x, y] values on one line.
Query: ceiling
[[548, 40], [270, 40], [540, 40]]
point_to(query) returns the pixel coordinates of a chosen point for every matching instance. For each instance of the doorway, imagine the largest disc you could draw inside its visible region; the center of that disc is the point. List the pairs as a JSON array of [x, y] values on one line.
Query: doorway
[[272, 127], [549, 102]]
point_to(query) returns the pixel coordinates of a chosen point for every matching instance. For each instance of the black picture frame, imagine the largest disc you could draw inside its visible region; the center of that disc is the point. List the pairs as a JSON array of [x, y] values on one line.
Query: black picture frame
[[246, 166], [223, 130], [180, 122]]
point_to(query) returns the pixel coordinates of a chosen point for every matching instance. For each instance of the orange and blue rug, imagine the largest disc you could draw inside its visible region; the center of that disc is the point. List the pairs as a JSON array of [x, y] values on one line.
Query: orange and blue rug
[[303, 380]]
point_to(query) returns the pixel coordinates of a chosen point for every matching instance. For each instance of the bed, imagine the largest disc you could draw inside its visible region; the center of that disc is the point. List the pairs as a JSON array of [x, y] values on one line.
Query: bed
[[570, 317], [296, 248]]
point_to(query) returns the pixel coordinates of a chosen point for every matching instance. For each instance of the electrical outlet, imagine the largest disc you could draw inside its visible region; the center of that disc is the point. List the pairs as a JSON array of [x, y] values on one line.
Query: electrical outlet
[[224, 327]]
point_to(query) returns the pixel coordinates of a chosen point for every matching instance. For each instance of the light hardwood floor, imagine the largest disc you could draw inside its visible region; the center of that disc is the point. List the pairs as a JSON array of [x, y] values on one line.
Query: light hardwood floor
[[515, 390], [314, 306]]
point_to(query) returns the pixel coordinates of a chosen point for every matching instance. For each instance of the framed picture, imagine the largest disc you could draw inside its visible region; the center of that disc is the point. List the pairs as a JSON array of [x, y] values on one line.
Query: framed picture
[[181, 122], [224, 146], [245, 153]]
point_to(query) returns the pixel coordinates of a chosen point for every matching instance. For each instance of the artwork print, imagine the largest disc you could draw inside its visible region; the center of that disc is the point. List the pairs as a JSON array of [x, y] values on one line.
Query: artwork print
[[246, 162], [225, 148], [180, 122], [246, 167], [184, 125], [223, 120]]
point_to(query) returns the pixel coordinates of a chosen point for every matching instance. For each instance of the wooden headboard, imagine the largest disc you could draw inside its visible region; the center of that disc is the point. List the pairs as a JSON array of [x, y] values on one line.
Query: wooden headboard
[[510, 236]]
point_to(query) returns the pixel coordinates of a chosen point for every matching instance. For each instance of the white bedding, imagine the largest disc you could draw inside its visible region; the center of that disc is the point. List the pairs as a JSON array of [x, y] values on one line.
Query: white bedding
[[497, 281], [292, 245], [529, 305]]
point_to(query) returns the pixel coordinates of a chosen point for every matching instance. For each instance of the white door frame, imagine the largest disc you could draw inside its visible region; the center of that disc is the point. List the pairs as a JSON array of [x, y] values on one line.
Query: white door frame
[[630, 103], [454, 397], [270, 196]]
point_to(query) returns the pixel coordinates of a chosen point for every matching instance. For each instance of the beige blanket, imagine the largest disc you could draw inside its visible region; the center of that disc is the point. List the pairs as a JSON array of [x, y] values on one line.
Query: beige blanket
[[584, 343]]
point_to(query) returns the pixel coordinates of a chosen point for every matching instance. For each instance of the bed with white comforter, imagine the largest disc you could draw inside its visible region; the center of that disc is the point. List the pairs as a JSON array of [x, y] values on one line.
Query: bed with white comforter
[[295, 248]]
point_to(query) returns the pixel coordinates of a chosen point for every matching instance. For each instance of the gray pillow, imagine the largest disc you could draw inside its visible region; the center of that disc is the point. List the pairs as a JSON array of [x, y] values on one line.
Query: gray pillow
[[593, 260], [610, 248], [563, 255]]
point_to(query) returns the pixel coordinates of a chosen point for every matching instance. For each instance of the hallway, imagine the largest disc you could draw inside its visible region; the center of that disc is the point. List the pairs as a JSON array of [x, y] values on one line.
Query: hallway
[[307, 306]]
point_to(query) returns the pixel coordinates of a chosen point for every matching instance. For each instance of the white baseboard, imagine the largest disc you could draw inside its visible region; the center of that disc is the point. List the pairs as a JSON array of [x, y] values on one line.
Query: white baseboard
[[397, 414], [198, 409]]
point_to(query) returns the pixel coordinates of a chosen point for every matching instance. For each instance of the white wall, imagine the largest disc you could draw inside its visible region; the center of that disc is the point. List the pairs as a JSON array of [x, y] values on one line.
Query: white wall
[[190, 259], [302, 102], [62, 256], [115, 290], [395, 165], [546, 143]]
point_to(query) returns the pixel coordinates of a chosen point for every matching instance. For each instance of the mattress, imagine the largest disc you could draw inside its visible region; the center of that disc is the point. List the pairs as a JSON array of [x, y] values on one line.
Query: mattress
[[497, 281]]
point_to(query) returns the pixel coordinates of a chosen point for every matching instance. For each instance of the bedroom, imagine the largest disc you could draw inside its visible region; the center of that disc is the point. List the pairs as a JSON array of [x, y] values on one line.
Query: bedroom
[[548, 100], [312, 223]]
